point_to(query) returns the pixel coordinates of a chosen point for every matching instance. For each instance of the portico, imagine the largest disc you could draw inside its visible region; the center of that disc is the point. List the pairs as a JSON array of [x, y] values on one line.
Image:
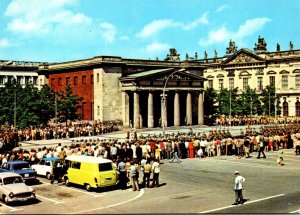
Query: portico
[[143, 103]]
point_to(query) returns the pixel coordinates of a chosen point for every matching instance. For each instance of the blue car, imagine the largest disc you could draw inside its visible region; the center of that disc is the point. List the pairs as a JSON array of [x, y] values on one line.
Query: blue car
[[23, 168]]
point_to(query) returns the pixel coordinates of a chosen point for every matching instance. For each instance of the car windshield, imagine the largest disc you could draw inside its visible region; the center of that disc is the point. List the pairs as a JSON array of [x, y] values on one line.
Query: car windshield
[[12, 180], [21, 166]]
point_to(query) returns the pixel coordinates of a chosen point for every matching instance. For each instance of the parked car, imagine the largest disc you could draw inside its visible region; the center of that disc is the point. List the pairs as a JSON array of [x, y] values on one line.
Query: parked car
[[45, 166], [13, 188], [21, 167]]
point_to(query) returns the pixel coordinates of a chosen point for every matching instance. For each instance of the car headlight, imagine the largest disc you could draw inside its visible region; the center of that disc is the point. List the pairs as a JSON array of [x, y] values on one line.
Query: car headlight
[[11, 195]]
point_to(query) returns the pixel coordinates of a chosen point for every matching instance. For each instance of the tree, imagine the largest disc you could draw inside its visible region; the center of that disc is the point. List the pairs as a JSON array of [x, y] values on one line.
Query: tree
[[68, 105], [210, 108], [268, 101], [227, 100]]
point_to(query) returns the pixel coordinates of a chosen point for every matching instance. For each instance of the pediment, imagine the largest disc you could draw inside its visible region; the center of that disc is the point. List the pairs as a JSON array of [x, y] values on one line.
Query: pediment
[[243, 56], [163, 74]]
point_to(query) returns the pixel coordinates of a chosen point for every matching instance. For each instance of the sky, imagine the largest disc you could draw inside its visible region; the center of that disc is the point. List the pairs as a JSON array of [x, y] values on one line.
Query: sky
[[67, 30]]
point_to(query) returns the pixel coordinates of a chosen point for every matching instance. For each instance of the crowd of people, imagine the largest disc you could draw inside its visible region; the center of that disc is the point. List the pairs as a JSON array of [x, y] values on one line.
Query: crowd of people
[[10, 136], [140, 157]]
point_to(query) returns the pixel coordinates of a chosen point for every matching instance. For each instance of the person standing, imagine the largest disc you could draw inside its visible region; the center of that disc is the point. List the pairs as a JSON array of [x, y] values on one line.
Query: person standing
[[175, 154], [238, 188], [147, 172], [122, 175], [156, 171], [134, 176], [261, 149]]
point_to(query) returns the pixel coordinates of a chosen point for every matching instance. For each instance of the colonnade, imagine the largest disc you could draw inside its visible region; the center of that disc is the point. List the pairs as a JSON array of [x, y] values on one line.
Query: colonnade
[[164, 108]]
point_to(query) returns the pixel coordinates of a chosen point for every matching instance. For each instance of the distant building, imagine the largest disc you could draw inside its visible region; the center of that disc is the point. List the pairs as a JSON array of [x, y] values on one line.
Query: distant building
[[258, 68], [22, 71], [132, 90]]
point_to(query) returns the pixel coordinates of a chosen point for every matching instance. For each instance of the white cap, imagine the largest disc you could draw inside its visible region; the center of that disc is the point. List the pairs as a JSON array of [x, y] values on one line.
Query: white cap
[[236, 172]]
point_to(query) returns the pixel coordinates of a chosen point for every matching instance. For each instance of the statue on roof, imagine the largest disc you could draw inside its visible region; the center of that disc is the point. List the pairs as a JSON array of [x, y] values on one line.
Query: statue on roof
[[196, 56], [205, 55], [278, 47], [232, 48], [173, 56], [186, 56], [261, 45], [291, 46], [216, 54]]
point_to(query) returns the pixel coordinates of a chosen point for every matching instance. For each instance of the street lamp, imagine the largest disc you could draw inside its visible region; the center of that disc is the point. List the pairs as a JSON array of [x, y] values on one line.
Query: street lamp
[[163, 101]]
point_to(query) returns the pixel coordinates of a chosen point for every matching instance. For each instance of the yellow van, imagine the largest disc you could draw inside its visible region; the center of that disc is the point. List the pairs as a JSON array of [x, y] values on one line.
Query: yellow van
[[91, 172]]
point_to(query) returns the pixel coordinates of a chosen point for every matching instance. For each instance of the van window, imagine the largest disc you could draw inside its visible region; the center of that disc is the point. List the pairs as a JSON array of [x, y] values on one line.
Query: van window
[[105, 167], [75, 165]]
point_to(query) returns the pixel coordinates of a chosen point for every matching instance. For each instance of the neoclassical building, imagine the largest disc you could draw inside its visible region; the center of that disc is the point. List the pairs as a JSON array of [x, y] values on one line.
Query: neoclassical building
[[140, 93], [258, 68]]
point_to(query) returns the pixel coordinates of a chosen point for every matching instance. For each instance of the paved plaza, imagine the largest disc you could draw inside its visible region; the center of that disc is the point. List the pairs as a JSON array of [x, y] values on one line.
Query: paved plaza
[[192, 186]]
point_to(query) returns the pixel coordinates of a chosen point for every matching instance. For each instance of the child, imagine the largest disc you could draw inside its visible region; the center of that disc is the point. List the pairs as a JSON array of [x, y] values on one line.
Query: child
[[280, 158]]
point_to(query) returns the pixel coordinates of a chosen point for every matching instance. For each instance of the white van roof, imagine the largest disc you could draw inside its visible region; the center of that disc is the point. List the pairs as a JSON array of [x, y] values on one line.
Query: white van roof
[[87, 159]]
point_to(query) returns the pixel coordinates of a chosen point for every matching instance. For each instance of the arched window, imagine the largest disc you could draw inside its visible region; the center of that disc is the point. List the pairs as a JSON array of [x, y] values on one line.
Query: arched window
[[285, 106], [297, 108]]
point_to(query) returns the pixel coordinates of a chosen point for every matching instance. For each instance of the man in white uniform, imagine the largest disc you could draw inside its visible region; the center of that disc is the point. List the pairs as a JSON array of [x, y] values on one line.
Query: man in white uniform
[[238, 188]]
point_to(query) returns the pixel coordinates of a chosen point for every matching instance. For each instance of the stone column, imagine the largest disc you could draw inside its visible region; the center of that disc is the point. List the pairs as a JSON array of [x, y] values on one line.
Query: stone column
[[136, 110], [164, 117], [176, 109], [125, 108], [150, 110], [200, 109], [189, 113]]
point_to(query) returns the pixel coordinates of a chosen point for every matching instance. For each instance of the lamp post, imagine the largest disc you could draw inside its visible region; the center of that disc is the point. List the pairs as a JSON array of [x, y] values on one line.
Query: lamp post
[[230, 107], [163, 101]]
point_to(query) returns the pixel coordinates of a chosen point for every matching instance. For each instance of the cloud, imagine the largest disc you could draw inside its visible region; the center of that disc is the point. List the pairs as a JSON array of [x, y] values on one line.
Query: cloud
[[41, 16], [157, 47], [222, 34], [108, 32], [221, 8], [4, 43], [156, 26]]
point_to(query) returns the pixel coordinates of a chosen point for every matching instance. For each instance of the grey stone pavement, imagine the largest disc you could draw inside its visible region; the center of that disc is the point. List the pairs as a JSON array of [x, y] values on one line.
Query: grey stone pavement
[[192, 186]]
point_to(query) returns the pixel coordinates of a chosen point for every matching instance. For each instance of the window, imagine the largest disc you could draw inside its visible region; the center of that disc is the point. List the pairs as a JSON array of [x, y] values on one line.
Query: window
[[231, 83], [98, 77], [75, 80], [27, 80], [284, 82], [75, 165], [67, 80], [297, 80], [210, 83], [105, 167], [1, 79], [92, 79], [245, 83], [272, 81], [297, 108], [52, 81], [59, 81], [84, 79], [221, 84], [19, 80], [260, 83], [35, 79], [285, 106]]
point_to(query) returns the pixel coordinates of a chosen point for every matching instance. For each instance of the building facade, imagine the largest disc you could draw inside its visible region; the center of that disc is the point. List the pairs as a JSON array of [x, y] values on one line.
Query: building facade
[[258, 68], [138, 93], [22, 71]]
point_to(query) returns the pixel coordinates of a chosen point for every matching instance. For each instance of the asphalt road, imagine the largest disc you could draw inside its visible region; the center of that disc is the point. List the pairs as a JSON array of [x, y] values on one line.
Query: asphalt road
[[193, 186]]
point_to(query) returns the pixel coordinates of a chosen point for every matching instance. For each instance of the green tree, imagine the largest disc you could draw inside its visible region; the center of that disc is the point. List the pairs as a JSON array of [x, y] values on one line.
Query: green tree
[[210, 108], [268, 101], [249, 103], [68, 105]]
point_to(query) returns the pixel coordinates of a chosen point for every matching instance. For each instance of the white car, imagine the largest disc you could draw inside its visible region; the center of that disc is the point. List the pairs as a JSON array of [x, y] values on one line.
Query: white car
[[13, 188], [45, 166]]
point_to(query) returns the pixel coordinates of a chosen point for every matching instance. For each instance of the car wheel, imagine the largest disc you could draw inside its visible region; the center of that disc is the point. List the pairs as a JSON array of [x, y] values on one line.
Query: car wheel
[[67, 181], [48, 175], [87, 187], [5, 199]]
